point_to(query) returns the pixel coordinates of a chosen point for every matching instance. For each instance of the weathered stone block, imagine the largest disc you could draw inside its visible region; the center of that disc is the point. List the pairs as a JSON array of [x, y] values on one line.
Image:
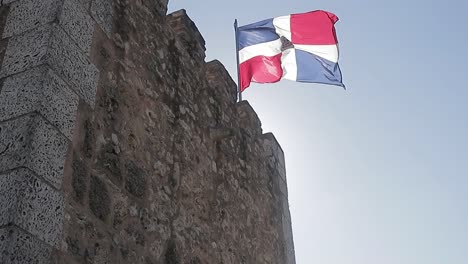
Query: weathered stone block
[[85, 3], [40, 90], [15, 136], [99, 198], [26, 51], [79, 180], [51, 45], [136, 180], [33, 143], [77, 23], [73, 17], [28, 14], [21, 93], [5, 2], [29, 203], [108, 159], [102, 11], [19, 247], [67, 60], [48, 151], [59, 104]]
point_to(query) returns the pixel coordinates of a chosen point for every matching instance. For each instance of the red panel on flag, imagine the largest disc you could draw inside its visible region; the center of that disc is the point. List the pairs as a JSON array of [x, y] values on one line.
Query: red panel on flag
[[313, 28], [260, 69]]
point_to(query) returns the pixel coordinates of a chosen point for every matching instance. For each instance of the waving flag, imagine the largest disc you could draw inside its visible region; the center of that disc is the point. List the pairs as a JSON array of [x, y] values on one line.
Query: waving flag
[[298, 47]]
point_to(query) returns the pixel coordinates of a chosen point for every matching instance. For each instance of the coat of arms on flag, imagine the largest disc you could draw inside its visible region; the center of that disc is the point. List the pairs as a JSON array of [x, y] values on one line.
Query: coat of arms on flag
[[298, 47]]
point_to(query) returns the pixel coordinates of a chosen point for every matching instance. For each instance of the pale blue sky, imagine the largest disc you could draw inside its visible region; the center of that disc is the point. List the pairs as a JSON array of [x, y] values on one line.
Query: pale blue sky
[[377, 174]]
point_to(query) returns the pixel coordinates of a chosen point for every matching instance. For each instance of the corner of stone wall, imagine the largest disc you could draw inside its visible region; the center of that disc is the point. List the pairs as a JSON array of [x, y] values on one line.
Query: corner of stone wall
[[274, 156], [45, 73]]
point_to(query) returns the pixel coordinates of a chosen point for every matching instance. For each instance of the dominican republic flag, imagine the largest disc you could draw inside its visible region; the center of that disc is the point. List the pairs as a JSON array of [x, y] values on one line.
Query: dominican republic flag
[[298, 47]]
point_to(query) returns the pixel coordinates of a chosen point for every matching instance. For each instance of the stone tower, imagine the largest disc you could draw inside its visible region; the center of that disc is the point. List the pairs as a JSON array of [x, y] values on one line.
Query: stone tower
[[120, 144]]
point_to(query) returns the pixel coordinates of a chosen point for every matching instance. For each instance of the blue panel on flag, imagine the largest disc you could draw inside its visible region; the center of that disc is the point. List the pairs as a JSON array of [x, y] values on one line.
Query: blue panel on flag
[[256, 33], [312, 68]]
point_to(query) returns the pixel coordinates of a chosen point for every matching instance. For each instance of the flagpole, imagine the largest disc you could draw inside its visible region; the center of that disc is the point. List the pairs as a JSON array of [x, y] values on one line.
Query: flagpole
[[237, 58]]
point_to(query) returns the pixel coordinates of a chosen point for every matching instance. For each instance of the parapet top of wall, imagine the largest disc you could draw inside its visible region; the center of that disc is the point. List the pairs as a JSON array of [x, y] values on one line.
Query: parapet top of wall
[[270, 136], [220, 82], [219, 79], [248, 118], [186, 30]]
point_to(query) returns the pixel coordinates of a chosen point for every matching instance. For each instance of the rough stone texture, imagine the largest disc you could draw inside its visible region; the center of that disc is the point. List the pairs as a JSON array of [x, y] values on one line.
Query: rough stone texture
[[176, 170], [19, 247], [136, 180], [79, 182], [4, 11], [102, 11], [51, 45], [29, 141], [159, 165], [86, 4], [69, 62], [275, 156], [192, 40], [26, 51], [39, 90], [99, 201], [5, 2], [28, 14], [75, 20], [31, 205], [41, 66]]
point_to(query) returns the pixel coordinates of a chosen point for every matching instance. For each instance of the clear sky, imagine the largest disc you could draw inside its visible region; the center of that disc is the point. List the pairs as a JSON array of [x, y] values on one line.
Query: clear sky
[[377, 174]]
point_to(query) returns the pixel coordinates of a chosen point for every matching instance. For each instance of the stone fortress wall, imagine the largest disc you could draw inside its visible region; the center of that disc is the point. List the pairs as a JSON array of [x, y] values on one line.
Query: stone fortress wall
[[120, 144]]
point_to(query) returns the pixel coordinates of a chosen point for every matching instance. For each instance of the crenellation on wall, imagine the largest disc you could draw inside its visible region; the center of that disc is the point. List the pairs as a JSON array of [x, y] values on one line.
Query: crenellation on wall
[[187, 32], [248, 120], [221, 83]]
